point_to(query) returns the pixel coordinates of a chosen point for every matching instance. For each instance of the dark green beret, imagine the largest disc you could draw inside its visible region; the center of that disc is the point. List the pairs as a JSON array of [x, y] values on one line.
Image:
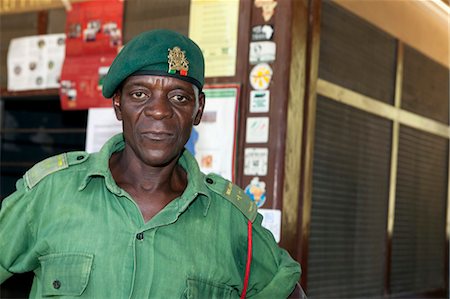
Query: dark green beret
[[160, 53]]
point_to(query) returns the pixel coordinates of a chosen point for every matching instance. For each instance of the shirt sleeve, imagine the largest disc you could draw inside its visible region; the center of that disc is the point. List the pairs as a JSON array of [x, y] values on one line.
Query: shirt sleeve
[[273, 272], [16, 240]]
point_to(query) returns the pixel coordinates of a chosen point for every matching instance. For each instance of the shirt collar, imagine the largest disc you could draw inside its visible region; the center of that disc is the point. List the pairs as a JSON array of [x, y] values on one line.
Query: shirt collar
[[99, 166], [196, 182]]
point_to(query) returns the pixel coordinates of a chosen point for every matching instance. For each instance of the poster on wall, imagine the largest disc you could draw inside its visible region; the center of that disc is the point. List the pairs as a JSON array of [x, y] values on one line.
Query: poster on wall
[[213, 25], [94, 37], [212, 142], [35, 62]]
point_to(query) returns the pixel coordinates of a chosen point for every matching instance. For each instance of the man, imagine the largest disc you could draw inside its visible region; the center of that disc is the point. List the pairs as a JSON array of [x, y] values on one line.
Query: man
[[138, 219]]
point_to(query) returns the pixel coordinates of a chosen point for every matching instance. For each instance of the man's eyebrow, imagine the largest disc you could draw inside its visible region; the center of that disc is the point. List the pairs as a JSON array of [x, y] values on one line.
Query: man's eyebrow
[[172, 86], [135, 84], [184, 88]]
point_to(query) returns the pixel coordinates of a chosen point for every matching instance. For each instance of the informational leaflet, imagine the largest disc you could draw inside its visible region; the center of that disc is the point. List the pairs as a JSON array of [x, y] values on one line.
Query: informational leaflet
[[35, 62], [213, 142], [272, 221], [213, 26]]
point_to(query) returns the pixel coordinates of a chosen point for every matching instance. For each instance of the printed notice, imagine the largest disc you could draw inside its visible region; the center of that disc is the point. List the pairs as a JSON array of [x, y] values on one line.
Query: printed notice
[[213, 26], [272, 221], [102, 124]]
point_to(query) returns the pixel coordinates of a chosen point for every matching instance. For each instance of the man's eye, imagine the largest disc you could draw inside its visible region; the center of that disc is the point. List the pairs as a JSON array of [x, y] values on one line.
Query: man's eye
[[138, 95], [180, 98]]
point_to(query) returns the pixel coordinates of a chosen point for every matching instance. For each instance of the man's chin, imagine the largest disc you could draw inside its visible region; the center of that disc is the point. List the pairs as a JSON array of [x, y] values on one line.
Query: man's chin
[[158, 158]]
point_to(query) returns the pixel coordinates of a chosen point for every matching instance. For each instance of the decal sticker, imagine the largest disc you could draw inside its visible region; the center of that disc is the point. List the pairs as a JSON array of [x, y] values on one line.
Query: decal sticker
[[259, 101], [256, 161], [262, 52], [257, 130], [256, 190], [260, 76], [268, 8], [262, 32]]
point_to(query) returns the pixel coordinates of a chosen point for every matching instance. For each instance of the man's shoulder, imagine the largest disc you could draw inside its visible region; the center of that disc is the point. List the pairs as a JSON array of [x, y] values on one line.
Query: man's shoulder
[[232, 193], [53, 165]]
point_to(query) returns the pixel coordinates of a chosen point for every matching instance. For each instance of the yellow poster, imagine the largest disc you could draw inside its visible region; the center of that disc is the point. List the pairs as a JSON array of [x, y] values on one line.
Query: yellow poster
[[213, 25]]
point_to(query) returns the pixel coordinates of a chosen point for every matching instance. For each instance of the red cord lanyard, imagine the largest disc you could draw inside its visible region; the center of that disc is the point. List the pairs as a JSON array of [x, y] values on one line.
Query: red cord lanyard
[[249, 259]]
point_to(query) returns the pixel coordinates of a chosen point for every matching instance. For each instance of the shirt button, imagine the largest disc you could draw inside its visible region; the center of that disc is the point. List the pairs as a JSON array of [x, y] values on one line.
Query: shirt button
[[56, 284], [140, 236], [80, 158], [209, 180]]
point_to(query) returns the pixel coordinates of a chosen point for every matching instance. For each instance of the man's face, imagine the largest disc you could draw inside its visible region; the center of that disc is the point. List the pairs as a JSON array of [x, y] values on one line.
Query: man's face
[[158, 114]]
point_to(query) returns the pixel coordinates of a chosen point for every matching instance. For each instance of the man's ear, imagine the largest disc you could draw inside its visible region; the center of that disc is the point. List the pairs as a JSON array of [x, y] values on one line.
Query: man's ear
[[116, 105], [201, 106]]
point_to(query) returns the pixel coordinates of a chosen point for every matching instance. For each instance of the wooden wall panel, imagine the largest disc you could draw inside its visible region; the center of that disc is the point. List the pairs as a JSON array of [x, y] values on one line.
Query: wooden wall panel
[[12, 26], [142, 15]]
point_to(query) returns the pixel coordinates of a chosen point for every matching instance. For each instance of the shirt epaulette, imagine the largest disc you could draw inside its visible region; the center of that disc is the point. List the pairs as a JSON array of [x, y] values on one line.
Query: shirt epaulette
[[53, 164], [232, 193]]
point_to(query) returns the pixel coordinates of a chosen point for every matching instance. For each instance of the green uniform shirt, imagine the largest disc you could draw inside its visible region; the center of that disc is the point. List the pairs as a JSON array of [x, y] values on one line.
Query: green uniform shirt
[[84, 236]]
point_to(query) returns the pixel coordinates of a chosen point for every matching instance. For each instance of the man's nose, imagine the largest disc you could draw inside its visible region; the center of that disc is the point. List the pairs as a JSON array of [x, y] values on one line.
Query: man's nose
[[159, 108]]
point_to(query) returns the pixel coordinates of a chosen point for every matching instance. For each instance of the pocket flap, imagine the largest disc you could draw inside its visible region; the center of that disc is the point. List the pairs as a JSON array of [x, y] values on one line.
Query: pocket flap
[[65, 274]]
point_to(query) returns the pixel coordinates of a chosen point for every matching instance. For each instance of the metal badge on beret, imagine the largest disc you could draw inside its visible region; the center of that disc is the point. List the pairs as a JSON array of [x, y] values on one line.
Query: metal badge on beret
[[178, 61]]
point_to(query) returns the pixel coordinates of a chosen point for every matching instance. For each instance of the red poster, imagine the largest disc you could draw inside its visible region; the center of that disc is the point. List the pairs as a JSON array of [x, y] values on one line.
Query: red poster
[[94, 36]]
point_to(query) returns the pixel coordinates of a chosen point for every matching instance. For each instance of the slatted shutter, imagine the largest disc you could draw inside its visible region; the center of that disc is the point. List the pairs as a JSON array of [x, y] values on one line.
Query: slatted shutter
[[356, 55], [351, 167], [419, 237], [349, 207]]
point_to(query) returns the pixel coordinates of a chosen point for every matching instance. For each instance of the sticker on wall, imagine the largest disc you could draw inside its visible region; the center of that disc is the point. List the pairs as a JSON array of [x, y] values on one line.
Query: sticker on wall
[[257, 130], [259, 101], [262, 52], [255, 161], [262, 32], [260, 76], [272, 222], [256, 190], [268, 8]]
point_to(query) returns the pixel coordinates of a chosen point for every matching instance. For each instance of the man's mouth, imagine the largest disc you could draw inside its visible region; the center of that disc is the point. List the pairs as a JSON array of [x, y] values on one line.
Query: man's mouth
[[157, 135]]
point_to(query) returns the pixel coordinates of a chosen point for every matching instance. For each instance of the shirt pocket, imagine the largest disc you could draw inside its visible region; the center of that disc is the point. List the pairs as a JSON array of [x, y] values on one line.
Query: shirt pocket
[[200, 289], [65, 274]]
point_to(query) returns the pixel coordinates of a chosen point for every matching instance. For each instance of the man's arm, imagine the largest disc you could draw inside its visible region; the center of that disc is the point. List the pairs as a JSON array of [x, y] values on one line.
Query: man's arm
[[274, 273], [15, 237]]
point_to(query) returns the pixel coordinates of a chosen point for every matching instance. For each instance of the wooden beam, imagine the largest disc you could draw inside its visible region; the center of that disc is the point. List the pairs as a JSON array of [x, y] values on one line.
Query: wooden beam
[[21, 6], [42, 22]]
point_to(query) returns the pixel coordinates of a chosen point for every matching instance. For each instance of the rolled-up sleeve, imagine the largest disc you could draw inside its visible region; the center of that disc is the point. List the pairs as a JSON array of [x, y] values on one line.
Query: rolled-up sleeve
[[16, 241], [274, 272]]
